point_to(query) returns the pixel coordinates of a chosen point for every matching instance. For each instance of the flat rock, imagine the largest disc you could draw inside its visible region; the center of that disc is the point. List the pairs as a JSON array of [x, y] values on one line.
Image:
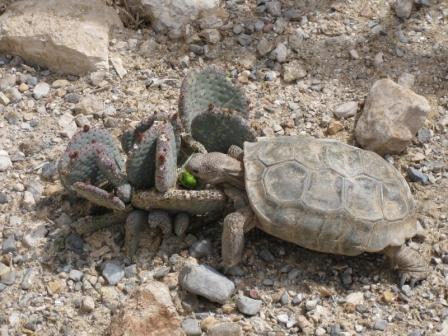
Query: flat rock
[[205, 281], [112, 272], [248, 306], [225, 329], [170, 16], [69, 36], [346, 110], [191, 327], [41, 90], [391, 117], [148, 312]]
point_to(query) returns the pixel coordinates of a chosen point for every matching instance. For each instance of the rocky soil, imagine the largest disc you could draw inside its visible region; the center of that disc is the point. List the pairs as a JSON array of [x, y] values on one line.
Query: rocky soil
[[306, 68]]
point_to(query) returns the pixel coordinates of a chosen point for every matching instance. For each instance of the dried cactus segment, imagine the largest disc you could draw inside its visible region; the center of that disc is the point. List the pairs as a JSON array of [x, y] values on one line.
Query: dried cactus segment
[[200, 89], [135, 223], [218, 129], [166, 159], [98, 196]]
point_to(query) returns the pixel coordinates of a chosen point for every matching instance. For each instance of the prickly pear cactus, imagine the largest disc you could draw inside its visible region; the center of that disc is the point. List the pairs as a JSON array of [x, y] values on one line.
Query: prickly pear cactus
[[92, 157], [91, 165], [152, 148], [213, 110]]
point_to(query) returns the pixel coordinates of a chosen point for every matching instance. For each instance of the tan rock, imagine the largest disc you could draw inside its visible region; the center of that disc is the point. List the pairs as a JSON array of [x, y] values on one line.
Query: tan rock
[[69, 36], [391, 117], [149, 312]]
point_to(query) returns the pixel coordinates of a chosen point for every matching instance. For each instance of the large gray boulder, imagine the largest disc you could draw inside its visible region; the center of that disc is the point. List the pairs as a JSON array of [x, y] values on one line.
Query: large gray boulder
[[391, 117], [68, 36]]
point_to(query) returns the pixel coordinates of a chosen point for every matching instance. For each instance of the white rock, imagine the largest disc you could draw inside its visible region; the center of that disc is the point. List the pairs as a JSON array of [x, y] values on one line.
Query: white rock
[[68, 125], [171, 16], [70, 36], [5, 161], [28, 201], [355, 298], [41, 90], [391, 117], [3, 99], [117, 63], [346, 110]]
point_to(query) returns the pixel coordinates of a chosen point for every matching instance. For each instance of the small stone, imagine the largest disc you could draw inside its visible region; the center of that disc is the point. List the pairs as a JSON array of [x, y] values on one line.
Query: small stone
[[210, 35], [28, 201], [355, 298], [274, 8], [284, 299], [380, 325], [3, 198], [41, 90], [205, 281], [112, 272], [378, 60], [9, 245], [354, 54], [117, 63], [72, 98], [55, 286], [416, 175], [320, 331], [191, 327], [68, 125], [3, 99], [60, 83], [310, 304], [334, 127], [75, 275], [406, 80], [346, 110], [28, 279], [264, 46], [424, 135], [208, 322], [14, 95], [388, 297], [280, 53], [403, 8], [201, 248], [23, 87], [293, 71], [130, 271], [225, 329], [49, 171], [161, 272], [89, 105], [270, 76], [87, 304], [8, 278], [248, 306]]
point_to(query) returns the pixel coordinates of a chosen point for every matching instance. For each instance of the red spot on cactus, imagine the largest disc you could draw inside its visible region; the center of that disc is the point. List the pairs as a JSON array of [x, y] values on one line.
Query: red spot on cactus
[[162, 158], [86, 128], [138, 137], [73, 155], [93, 141]]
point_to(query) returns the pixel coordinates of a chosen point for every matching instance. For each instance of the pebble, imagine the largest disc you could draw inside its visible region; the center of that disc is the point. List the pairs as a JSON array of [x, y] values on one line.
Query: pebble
[[14, 94], [416, 175], [270, 76], [191, 327], [28, 279], [201, 248], [310, 304], [293, 71], [9, 245], [346, 110], [266, 255], [320, 331], [28, 201], [205, 281], [355, 298], [5, 161], [41, 90], [3, 198], [354, 54], [380, 325], [280, 53], [225, 329], [75, 275], [334, 127], [424, 135], [248, 306], [8, 278], [112, 272], [87, 304], [49, 171], [4, 100], [264, 46], [403, 8], [72, 98]]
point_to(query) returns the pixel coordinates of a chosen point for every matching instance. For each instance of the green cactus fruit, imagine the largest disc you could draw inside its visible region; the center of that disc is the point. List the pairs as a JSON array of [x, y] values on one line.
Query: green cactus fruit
[[187, 180]]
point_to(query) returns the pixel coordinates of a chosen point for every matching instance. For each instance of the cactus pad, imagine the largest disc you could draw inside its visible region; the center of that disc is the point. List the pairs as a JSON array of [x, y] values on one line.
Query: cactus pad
[[213, 110]]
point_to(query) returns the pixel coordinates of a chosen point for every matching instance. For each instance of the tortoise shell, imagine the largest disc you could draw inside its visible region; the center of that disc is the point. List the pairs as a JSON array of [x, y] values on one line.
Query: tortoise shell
[[327, 196]]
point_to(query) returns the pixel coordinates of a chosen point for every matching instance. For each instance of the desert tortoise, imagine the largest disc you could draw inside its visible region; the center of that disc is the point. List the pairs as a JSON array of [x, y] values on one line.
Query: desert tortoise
[[320, 194]]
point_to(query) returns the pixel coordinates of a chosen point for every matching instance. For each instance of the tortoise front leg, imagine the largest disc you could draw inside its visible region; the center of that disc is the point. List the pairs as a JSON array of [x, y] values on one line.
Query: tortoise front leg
[[236, 224], [410, 264]]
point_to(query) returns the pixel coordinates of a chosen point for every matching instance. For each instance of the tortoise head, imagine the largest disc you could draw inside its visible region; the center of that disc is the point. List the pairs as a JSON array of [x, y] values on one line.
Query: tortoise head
[[215, 168]]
